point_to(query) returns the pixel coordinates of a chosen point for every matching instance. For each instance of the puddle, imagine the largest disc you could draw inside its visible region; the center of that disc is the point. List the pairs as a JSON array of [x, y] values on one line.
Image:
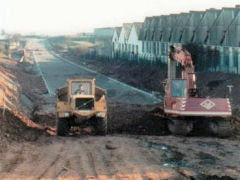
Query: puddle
[[174, 159], [171, 158], [207, 158], [155, 146], [176, 164], [214, 177]]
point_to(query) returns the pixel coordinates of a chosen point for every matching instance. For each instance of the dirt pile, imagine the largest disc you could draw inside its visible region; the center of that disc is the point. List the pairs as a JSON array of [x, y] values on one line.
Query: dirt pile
[[8, 88], [15, 126], [136, 119]]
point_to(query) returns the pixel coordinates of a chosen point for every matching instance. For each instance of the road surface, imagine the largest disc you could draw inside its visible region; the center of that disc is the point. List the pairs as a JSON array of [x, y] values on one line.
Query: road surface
[[55, 70]]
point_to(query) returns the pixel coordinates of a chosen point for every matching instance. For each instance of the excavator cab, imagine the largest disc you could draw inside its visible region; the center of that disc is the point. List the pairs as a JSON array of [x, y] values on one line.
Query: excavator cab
[[179, 88]]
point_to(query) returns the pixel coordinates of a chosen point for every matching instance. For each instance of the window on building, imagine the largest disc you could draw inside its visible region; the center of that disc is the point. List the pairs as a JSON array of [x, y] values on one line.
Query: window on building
[[163, 48], [154, 48], [235, 59], [136, 49], [147, 46], [150, 47], [226, 59], [143, 50], [133, 49]]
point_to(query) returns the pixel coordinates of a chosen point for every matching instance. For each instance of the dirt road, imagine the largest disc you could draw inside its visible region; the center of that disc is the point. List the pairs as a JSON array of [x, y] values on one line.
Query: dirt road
[[121, 157], [56, 70]]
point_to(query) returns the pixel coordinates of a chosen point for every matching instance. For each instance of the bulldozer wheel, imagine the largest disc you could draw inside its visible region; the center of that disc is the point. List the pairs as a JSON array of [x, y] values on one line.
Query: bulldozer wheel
[[221, 128], [101, 126], [180, 127], [62, 126]]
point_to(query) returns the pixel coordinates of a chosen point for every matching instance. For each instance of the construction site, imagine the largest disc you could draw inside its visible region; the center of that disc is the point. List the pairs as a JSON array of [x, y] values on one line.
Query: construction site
[[68, 111]]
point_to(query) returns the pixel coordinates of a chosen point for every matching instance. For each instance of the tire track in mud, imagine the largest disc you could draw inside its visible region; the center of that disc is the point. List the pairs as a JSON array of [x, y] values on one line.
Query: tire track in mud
[[77, 159], [60, 164], [90, 158], [53, 163], [39, 163], [131, 163], [12, 160], [108, 165], [99, 160]]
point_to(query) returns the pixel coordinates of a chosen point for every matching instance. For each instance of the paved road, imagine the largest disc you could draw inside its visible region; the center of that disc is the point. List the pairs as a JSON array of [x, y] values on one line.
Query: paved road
[[55, 70]]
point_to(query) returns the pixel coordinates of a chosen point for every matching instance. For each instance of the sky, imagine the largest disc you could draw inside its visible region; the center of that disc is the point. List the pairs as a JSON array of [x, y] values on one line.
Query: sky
[[74, 16]]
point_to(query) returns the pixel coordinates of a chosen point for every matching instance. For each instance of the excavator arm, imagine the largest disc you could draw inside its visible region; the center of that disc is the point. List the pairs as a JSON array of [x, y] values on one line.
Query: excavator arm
[[183, 57]]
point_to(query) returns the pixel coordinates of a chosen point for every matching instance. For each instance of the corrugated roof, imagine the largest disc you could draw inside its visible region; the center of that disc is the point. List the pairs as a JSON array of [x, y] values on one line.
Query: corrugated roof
[[138, 26], [127, 28], [118, 30]]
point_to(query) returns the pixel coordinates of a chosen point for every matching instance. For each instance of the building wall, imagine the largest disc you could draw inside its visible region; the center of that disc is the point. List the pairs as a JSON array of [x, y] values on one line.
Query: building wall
[[214, 29], [217, 30], [135, 46], [115, 41]]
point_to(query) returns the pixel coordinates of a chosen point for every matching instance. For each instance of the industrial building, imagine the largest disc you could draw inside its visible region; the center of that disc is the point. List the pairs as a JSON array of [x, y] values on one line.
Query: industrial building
[[217, 31]]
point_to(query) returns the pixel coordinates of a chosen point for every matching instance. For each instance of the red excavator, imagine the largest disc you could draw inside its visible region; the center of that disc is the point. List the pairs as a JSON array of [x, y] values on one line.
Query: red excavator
[[183, 108]]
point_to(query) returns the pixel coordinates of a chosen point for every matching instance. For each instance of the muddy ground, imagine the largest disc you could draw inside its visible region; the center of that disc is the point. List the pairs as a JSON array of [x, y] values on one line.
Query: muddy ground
[[29, 149]]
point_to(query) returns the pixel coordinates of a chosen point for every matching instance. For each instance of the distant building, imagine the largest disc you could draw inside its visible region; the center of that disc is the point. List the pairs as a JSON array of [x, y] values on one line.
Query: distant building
[[216, 30], [103, 33], [103, 39], [133, 43], [115, 42], [123, 39]]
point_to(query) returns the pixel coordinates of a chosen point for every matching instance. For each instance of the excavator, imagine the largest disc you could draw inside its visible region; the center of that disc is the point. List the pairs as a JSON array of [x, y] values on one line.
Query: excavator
[[183, 108]]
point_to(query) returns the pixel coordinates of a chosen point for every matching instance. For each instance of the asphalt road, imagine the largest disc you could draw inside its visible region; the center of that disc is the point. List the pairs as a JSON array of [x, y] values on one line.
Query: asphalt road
[[55, 70]]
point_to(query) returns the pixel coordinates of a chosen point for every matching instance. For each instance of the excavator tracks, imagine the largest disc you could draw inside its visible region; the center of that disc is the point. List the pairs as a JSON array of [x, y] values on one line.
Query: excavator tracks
[[219, 127], [180, 127]]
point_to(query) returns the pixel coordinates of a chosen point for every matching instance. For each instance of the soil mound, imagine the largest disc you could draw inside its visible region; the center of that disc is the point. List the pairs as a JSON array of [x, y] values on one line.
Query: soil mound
[[136, 119], [16, 127]]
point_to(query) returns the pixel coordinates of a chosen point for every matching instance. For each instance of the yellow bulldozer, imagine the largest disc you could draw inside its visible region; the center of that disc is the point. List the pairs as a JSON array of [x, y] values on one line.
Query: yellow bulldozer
[[80, 103]]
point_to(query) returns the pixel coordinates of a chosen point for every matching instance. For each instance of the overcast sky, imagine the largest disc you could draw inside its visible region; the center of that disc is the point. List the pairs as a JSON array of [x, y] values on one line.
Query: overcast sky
[[73, 16]]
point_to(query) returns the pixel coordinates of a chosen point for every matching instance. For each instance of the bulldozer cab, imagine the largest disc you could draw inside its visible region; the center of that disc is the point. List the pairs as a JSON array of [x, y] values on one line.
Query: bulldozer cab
[[81, 93]]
